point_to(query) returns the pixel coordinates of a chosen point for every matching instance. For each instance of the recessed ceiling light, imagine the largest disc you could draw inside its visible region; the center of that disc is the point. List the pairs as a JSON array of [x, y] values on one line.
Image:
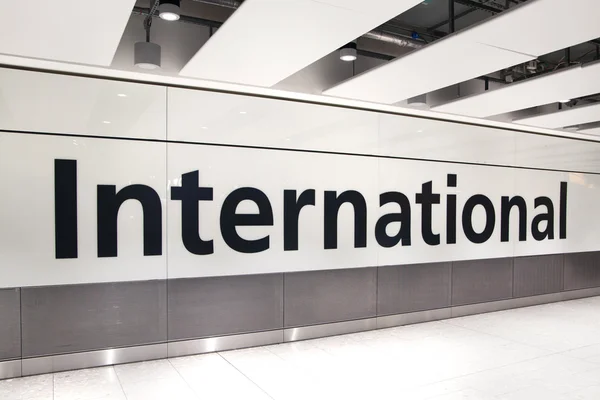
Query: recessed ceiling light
[[106, 122], [204, 127], [169, 10], [122, 95], [242, 112], [564, 101]]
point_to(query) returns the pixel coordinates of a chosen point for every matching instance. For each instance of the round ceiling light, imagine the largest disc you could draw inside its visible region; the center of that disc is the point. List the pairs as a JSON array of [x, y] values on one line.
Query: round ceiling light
[[146, 55], [169, 10], [419, 101], [348, 52]]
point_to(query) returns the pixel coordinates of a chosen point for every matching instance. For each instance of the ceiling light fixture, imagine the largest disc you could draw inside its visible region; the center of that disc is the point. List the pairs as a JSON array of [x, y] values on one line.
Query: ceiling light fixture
[[122, 95], [419, 101], [146, 55], [564, 101], [169, 10], [348, 52]]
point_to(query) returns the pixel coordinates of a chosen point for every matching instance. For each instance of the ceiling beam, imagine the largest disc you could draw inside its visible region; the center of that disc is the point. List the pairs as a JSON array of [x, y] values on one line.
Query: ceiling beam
[[479, 6]]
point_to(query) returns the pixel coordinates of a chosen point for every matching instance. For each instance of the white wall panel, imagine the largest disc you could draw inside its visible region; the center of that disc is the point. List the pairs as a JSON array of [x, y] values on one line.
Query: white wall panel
[[393, 176], [276, 31], [567, 117], [206, 117], [554, 153], [65, 30], [27, 237], [401, 136], [227, 169], [563, 84], [583, 193], [41, 102]]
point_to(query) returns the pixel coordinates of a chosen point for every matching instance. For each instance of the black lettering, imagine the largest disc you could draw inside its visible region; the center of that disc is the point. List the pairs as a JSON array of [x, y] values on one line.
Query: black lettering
[[427, 198], [291, 214], [190, 194], [403, 217], [451, 211], [333, 202], [562, 219], [467, 218], [230, 220], [65, 208], [109, 203], [506, 205], [548, 216]]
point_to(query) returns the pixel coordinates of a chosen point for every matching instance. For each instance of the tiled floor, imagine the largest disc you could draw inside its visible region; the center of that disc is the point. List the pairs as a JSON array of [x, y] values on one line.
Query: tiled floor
[[549, 352]]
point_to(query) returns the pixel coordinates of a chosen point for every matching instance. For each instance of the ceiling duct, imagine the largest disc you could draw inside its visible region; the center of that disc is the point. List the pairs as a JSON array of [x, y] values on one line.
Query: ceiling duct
[[387, 38]]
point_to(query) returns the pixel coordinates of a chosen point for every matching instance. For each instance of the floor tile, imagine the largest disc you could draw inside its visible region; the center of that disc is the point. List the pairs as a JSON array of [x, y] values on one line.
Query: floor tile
[[159, 389], [30, 388], [87, 384]]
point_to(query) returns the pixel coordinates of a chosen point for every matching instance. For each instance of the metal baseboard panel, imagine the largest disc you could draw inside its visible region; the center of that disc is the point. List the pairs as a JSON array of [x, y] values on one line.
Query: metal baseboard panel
[[332, 329], [471, 309], [221, 343], [64, 362], [88, 359], [418, 317], [580, 293], [10, 369]]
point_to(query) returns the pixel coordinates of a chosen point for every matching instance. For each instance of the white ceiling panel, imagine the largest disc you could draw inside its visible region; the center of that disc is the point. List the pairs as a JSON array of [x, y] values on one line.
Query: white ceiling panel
[[419, 72], [563, 84], [591, 131], [541, 26], [265, 41], [569, 117], [511, 38], [80, 31]]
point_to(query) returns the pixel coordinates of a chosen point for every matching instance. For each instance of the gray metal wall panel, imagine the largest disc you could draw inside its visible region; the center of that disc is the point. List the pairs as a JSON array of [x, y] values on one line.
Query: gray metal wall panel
[[202, 307], [409, 288], [71, 318], [478, 281], [538, 275], [318, 297], [10, 324], [582, 270]]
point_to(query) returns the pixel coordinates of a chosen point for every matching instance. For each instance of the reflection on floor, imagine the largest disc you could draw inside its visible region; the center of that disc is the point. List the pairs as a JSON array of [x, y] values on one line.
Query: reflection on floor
[[546, 352]]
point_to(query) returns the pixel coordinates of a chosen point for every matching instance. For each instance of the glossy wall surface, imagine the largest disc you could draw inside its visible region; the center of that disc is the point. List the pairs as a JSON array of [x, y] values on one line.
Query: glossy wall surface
[[125, 133]]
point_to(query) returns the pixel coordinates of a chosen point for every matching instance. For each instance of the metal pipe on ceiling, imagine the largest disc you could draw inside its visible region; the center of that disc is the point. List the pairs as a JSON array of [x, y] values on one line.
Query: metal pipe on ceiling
[[387, 38], [223, 3]]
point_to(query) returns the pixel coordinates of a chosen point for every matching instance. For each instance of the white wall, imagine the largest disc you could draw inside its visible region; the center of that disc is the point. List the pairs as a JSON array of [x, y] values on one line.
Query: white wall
[[243, 141]]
